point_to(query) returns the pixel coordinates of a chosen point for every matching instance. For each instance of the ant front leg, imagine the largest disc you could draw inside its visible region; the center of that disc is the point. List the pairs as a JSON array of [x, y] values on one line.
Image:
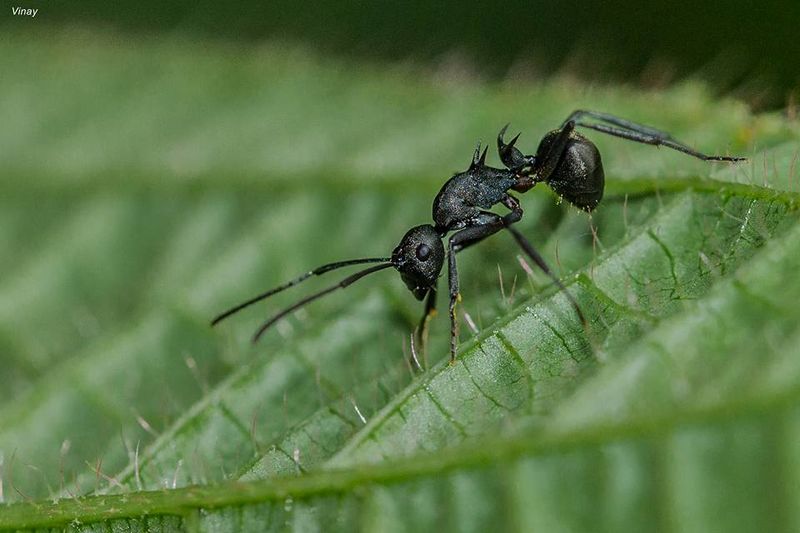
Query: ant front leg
[[457, 242], [487, 224], [424, 323]]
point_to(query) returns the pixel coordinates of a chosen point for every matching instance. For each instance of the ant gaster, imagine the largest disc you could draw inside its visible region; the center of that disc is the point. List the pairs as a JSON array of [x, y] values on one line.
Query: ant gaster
[[565, 160]]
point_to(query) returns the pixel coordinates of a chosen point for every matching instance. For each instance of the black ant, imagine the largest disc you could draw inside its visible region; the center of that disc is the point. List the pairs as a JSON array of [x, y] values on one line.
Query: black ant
[[565, 160]]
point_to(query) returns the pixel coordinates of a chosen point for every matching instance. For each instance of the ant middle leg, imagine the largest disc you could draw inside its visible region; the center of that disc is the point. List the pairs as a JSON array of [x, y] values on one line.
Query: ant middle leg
[[537, 258], [514, 216], [472, 235]]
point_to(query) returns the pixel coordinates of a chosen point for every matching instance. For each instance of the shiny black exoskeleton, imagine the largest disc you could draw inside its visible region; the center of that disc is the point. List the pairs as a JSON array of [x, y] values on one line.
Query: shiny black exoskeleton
[[579, 175], [418, 258], [565, 160]]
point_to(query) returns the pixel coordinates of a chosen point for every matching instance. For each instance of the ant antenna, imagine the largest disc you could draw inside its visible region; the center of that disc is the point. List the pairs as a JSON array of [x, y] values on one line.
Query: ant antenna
[[316, 272], [308, 299]]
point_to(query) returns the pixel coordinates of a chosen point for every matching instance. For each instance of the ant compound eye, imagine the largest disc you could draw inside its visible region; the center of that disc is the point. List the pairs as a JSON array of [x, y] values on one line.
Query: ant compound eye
[[423, 252]]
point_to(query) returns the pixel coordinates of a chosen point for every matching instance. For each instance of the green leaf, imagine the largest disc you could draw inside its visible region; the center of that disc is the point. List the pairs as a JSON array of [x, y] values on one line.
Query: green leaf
[[148, 187]]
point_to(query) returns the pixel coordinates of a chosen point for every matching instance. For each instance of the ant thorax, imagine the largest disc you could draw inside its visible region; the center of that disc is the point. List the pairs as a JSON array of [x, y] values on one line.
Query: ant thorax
[[466, 193]]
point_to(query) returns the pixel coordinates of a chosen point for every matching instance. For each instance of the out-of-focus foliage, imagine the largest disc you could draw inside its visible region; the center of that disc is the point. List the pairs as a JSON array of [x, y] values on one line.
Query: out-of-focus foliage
[[738, 46]]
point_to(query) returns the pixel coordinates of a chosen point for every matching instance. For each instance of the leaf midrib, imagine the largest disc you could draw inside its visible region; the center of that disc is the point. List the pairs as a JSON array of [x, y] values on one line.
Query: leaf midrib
[[184, 501]]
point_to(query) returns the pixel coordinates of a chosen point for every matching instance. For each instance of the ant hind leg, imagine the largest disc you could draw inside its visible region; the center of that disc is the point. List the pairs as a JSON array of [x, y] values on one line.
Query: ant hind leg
[[633, 131], [576, 117]]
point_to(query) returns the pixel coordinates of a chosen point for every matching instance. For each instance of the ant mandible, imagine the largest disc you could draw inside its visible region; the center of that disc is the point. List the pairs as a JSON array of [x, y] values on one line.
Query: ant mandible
[[565, 160]]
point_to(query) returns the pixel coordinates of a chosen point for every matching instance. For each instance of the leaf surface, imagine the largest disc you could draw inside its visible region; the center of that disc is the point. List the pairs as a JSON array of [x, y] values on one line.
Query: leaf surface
[[148, 187]]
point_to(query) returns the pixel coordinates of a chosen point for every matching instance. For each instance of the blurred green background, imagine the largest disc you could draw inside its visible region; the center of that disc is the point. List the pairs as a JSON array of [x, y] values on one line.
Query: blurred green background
[[749, 49]]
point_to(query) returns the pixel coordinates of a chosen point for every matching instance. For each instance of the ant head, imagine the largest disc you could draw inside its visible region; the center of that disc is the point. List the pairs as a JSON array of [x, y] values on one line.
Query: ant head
[[419, 258]]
